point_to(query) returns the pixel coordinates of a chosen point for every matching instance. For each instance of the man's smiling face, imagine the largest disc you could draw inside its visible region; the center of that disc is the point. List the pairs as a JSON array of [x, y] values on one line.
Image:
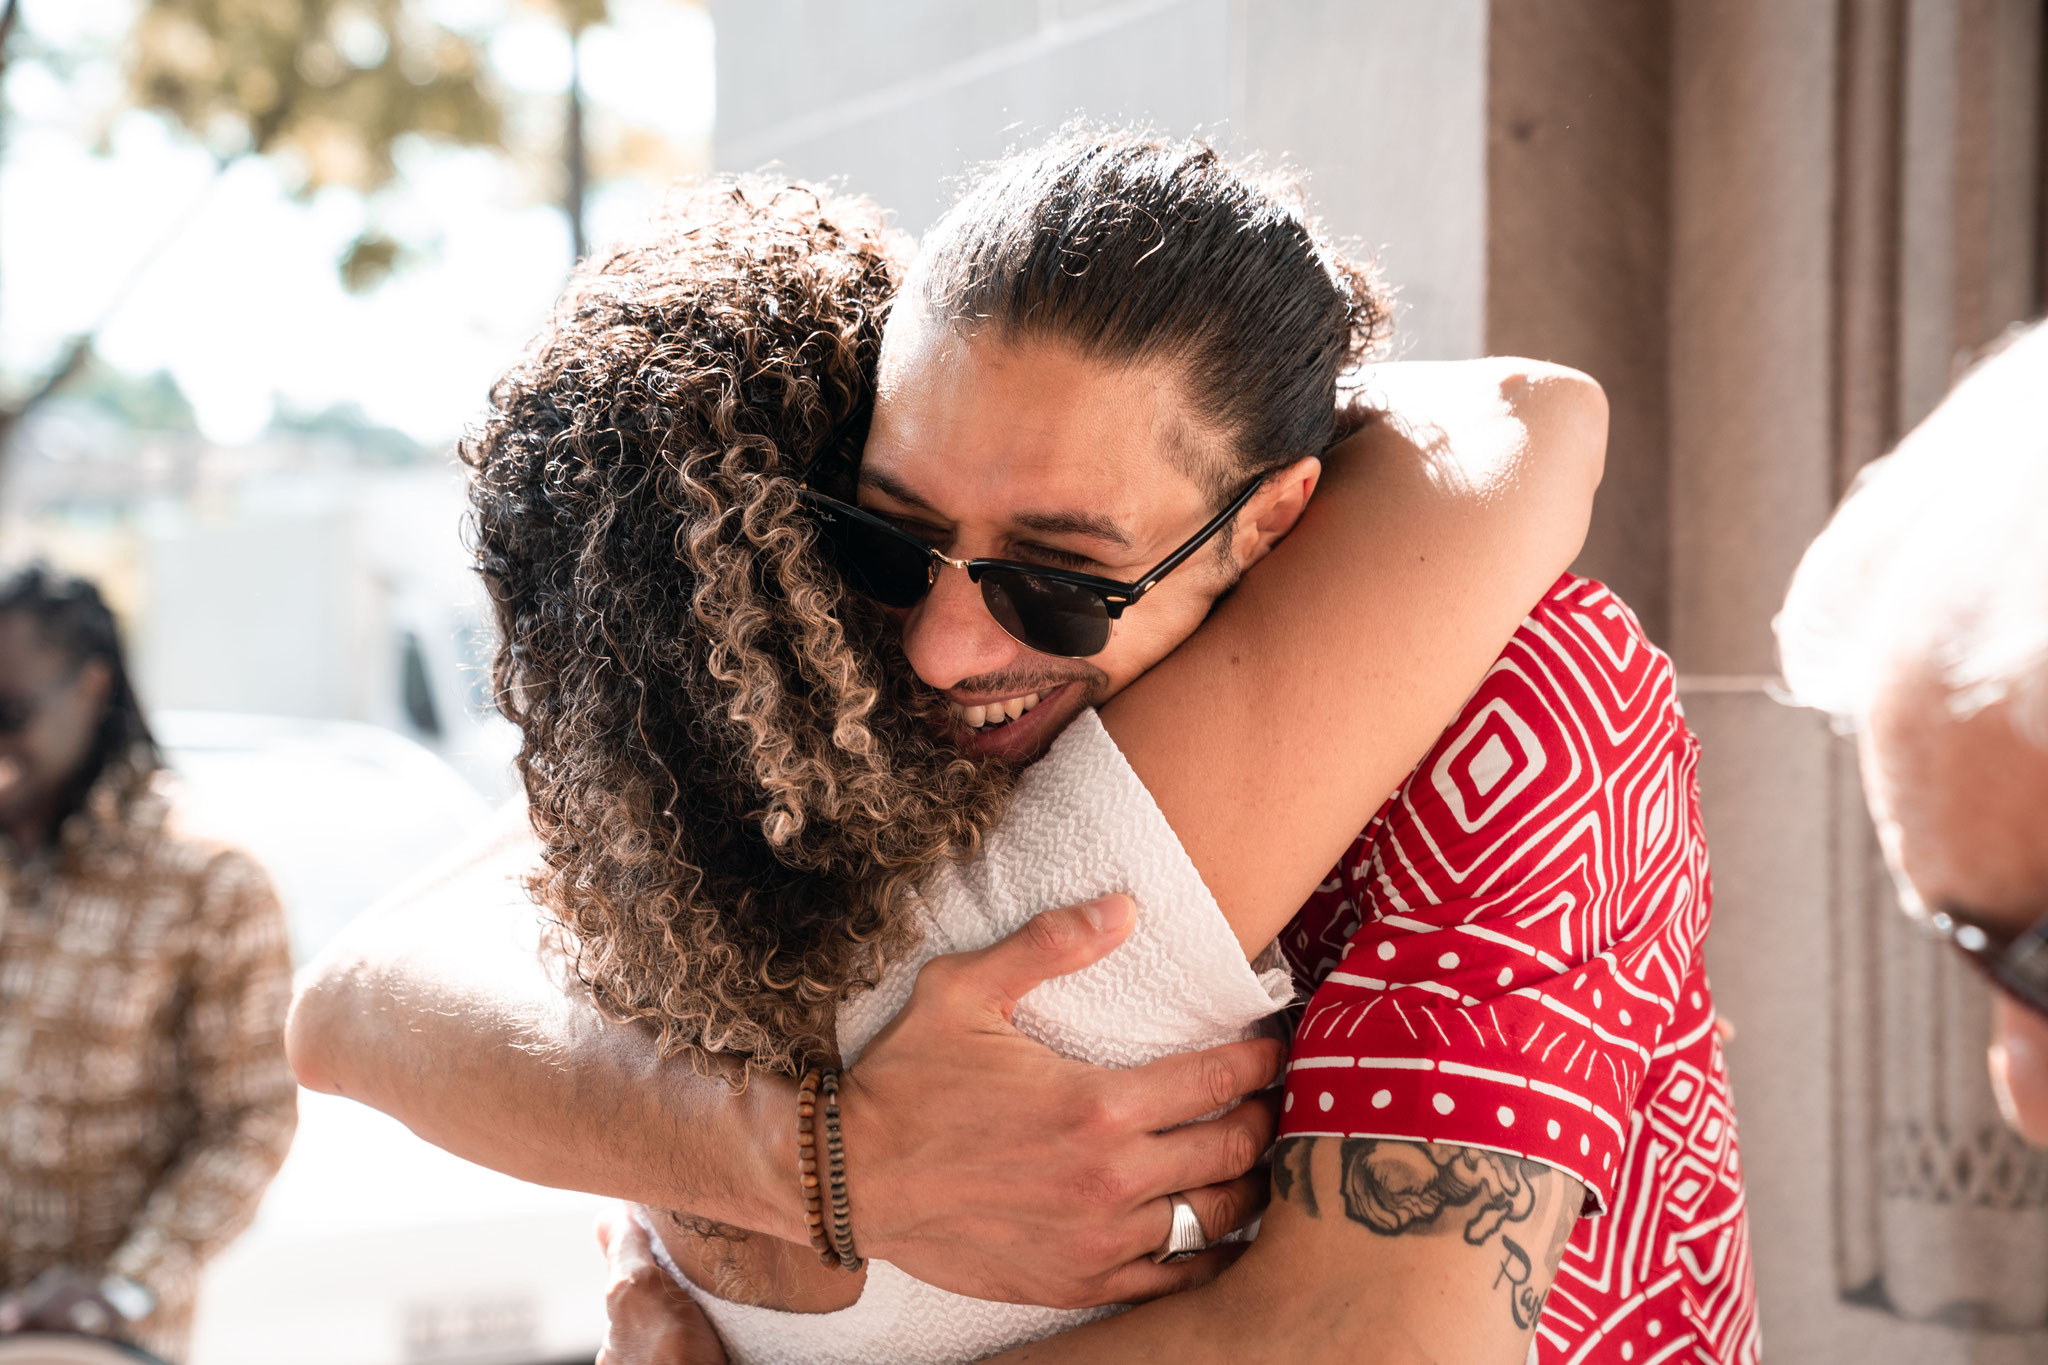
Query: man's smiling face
[[988, 447]]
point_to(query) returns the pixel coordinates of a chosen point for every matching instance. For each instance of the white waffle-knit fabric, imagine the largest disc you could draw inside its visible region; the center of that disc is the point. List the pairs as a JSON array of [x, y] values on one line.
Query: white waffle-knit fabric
[[1081, 825]]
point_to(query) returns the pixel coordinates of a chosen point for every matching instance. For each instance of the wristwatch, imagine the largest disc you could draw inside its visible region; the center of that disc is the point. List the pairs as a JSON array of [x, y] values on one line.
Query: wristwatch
[[132, 1299]]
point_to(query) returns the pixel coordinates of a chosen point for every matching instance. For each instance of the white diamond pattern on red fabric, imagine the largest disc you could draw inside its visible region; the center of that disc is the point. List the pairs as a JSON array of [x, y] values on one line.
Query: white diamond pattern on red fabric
[[1509, 957]]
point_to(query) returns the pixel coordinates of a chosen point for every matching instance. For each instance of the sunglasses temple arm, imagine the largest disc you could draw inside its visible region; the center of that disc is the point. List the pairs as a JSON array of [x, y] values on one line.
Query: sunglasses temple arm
[[1194, 543]]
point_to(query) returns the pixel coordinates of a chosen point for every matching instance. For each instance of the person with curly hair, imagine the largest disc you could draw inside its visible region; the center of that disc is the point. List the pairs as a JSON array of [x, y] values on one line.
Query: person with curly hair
[[1219, 587]]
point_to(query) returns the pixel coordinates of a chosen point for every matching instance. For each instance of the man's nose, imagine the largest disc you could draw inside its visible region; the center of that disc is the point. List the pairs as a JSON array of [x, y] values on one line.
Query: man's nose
[[950, 635]]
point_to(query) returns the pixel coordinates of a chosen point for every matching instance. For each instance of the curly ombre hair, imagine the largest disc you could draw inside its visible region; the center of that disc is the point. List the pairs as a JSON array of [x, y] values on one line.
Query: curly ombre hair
[[736, 780]]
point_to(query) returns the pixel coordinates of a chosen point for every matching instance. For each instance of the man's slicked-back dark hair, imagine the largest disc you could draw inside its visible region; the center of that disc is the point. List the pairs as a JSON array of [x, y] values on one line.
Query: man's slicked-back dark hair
[[1135, 248]]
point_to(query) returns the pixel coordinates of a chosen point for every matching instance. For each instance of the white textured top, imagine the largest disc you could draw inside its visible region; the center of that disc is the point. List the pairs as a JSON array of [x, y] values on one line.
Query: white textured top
[[1081, 825]]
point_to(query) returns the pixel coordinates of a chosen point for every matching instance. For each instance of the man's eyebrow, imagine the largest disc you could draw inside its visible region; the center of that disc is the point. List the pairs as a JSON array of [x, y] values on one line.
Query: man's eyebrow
[[1077, 524], [1049, 523], [895, 488]]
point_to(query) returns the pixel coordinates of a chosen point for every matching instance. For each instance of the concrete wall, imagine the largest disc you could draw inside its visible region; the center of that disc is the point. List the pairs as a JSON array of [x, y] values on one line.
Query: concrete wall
[[1381, 102]]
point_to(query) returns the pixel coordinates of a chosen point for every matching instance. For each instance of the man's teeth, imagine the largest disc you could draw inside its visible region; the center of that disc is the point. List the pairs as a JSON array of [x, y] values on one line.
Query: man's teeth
[[993, 713]]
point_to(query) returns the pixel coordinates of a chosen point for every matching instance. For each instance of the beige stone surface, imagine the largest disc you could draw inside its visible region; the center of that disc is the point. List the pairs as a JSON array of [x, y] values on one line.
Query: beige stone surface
[[1846, 209], [1768, 777], [1383, 103], [1752, 212], [956, 95], [810, 57], [1578, 248]]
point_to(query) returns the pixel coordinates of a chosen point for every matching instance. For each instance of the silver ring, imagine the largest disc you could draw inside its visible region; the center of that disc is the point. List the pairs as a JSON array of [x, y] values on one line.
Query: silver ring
[[1184, 1240], [89, 1317]]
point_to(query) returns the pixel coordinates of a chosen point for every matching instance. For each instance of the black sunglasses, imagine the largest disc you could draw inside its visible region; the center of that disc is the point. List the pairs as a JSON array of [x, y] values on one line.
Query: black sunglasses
[[2017, 965], [1052, 611]]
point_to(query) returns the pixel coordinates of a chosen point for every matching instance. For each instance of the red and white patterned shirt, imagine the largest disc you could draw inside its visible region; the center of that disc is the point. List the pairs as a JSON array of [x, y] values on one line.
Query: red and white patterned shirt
[[1509, 958]]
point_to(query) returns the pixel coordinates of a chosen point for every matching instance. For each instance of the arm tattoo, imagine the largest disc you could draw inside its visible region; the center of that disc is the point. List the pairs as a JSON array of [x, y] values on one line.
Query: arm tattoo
[[1291, 1179], [1396, 1188]]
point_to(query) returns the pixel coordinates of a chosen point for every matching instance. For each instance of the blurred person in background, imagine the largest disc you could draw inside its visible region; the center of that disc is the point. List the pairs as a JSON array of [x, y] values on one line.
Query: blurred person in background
[[1919, 618], [145, 1103]]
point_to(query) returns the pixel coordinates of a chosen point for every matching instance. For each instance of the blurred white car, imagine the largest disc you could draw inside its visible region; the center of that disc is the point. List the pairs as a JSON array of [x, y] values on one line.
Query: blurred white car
[[373, 1247]]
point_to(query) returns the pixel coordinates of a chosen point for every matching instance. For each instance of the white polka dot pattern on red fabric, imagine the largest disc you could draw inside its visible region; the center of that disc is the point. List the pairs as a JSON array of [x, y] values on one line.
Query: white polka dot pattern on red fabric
[[1534, 901]]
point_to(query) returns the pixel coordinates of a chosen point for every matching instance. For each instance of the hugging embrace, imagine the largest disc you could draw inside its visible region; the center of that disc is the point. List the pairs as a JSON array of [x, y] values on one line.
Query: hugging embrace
[[987, 718]]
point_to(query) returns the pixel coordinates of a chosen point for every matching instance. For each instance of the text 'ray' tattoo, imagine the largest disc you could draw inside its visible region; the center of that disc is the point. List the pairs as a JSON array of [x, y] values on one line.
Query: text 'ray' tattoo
[[1396, 1188]]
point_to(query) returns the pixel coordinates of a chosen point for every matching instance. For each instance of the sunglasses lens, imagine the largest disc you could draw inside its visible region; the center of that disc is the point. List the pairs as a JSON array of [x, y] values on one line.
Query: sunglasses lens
[[876, 561], [1045, 614]]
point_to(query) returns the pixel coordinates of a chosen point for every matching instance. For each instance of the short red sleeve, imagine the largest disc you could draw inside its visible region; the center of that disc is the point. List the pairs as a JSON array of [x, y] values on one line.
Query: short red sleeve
[[1505, 948]]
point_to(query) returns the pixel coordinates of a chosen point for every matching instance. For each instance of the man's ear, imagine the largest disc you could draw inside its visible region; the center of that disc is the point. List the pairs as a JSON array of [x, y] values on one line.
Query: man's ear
[[1274, 509]]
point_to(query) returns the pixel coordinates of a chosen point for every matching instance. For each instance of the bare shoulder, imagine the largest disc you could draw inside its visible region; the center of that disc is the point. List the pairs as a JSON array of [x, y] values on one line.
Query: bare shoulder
[[1487, 420]]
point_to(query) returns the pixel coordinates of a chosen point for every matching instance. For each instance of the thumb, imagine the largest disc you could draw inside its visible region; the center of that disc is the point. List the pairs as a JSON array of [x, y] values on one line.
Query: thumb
[[1052, 944]]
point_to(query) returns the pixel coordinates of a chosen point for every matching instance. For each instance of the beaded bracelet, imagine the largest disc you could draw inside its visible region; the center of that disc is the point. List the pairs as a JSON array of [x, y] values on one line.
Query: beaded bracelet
[[807, 1165], [835, 1152]]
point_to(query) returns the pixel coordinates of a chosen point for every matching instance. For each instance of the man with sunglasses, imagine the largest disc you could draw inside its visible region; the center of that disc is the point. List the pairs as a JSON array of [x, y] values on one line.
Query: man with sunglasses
[[1919, 617], [144, 972]]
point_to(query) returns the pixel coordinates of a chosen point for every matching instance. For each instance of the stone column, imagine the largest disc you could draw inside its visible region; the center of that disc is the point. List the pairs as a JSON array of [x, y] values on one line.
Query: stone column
[[1752, 184], [1578, 248]]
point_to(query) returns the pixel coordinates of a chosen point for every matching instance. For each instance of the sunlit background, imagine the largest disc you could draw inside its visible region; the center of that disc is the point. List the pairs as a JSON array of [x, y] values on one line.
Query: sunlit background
[[259, 264]]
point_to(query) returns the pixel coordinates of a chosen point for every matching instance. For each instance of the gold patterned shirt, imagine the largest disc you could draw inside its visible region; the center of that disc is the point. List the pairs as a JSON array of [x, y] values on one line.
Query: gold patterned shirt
[[145, 1102]]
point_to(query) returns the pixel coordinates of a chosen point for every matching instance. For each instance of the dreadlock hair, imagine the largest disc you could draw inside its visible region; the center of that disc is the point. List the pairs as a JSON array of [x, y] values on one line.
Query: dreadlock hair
[[74, 618], [734, 775]]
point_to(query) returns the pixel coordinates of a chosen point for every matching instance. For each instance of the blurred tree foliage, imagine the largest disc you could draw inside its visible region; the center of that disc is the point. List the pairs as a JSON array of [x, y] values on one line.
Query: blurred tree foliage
[[327, 87], [332, 83], [330, 90], [576, 15]]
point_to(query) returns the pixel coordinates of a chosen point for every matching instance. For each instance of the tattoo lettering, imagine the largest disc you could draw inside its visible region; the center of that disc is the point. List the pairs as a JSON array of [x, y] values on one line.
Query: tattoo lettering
[[1515, 1270]]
